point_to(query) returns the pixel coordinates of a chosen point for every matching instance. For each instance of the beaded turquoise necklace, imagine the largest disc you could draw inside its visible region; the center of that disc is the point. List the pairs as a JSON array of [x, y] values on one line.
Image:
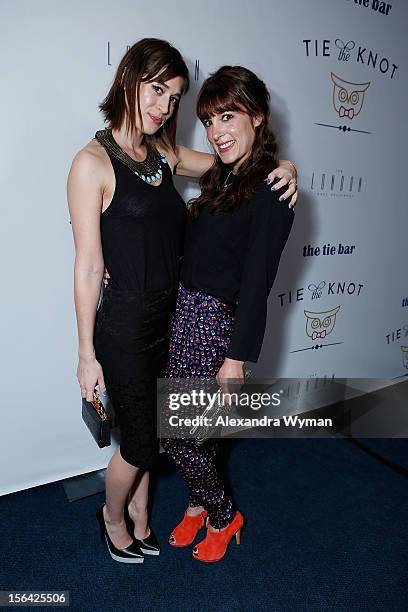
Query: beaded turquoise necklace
[[149, 170]]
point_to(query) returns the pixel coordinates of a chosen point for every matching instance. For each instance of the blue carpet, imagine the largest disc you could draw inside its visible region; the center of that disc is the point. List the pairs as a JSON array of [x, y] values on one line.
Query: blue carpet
[[327, 530]]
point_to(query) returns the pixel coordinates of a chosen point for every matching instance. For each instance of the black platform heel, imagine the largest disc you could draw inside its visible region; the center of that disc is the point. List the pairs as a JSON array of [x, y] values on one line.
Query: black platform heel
[[130, 554], [149, 545]]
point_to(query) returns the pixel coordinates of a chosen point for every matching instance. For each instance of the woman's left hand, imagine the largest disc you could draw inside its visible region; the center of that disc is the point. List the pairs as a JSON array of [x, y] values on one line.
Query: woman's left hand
[[286, 172], [231, 375]]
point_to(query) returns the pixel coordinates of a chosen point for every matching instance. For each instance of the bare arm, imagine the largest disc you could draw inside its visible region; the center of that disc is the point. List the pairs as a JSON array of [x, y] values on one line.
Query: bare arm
[[192, 163], [85, 204], [195, 163]]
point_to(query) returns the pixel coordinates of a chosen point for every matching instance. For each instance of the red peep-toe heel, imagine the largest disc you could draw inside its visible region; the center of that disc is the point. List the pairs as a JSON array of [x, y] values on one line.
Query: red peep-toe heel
[[187, 529], [215, 544]]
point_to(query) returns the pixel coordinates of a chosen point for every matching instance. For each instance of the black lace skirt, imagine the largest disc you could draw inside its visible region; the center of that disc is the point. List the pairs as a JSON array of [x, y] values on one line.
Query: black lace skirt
[[131, 344]]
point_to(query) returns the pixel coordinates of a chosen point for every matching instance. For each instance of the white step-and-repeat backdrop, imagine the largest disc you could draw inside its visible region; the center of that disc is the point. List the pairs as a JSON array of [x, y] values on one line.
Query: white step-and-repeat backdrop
[[337, 73]]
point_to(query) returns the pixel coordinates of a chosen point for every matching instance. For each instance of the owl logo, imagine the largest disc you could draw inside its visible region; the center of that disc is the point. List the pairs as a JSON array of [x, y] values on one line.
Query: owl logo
[[348, 97], [404, 350], [320, 324]]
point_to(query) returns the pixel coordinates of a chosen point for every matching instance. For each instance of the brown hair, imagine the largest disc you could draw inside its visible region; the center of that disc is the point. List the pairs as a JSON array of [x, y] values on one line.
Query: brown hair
[[148, 59], [236, 88]]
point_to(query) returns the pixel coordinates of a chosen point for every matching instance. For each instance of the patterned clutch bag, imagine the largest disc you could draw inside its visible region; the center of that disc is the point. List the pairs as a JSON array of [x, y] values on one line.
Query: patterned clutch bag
[[99, 420]]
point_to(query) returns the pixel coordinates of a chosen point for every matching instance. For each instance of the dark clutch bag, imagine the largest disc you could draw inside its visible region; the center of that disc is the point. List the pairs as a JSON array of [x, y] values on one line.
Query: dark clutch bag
[[99, 420]]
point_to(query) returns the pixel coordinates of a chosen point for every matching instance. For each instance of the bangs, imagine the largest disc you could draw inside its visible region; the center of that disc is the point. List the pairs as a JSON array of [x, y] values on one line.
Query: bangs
[[216, 100], [171, 71]]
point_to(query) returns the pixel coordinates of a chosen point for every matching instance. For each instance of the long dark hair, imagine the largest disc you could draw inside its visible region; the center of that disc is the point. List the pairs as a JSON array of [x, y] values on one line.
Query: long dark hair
[[143, 62], [236, 88]]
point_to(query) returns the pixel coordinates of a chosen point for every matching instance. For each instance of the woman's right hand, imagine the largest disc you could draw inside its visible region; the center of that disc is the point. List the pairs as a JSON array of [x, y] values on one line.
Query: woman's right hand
[[230, 376], [89, 374]]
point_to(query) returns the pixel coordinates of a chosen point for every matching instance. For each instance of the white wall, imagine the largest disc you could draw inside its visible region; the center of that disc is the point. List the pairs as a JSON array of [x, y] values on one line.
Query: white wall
[[54, 74]]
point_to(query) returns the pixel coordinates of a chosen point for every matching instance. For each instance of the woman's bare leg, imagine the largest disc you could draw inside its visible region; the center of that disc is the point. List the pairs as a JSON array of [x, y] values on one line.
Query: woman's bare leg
[[194, 510], [120, 477], [138, 511]]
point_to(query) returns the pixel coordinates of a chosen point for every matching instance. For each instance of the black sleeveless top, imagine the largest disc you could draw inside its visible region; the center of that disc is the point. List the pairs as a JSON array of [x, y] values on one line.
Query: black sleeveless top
[[142, 232]]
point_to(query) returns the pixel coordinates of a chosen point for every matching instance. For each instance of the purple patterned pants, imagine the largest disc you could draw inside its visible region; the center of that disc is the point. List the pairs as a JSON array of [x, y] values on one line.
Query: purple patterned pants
[[200, 334]]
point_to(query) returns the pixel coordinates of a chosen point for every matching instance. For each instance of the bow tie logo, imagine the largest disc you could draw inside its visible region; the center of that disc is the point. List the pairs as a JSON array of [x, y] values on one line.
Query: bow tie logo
[[321, 334], [346, 112]]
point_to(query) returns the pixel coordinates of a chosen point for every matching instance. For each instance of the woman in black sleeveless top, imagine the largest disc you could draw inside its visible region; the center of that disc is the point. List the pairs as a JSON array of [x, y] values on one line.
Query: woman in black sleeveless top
[[141, 234], [127, 215]]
